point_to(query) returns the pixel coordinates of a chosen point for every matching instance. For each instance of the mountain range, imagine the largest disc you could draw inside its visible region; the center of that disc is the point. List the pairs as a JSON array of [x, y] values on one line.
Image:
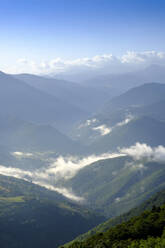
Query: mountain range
[[135, 116], [23, 101], [102, 140], [86, 98]]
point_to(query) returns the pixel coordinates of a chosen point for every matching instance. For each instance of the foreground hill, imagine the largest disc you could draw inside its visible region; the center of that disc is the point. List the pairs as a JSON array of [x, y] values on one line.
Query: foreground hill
[[145, 230], [32, 216], [157, 200]]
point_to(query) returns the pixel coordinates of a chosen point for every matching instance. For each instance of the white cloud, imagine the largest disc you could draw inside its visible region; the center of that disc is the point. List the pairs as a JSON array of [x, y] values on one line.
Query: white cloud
[[65, 192], [60, 169], [159, 154], [138, 151], [147, 57], [64, 168], [125, 121], [15, 172], [118, 199], [68, 167], [103, 129], [143, 151], [38, 178], [106, 63], [88, 123], [22, 154]]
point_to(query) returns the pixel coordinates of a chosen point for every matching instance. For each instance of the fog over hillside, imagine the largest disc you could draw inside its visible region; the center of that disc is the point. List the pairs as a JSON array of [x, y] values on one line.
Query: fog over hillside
[[66, 168], [62, 168]]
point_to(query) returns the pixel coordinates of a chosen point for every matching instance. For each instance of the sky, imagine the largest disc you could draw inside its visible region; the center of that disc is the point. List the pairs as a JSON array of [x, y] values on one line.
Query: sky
[[35, 34]]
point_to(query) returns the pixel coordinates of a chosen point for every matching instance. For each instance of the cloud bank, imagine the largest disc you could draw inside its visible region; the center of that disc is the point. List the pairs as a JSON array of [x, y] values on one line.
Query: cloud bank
[[65, 168], [144, 152], [62, 168], [106, 63]]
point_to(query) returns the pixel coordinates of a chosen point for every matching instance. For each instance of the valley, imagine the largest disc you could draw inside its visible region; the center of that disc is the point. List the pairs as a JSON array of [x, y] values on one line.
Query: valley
[[66, 168]]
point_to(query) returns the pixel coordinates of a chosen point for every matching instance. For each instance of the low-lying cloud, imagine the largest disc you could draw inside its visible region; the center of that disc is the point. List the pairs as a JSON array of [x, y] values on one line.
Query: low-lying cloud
[[39, 178], [68, 193], [145, 152], [22, 154], [65, 168], [103, 129], [68, 167], [62, 168], [87, 123], [125, 121]]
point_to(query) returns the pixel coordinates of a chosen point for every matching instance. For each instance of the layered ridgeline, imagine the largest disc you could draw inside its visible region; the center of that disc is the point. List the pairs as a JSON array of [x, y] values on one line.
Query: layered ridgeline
[[130, 129], [145, 230], [17, 134], [135, 116], [84, 97], [155, 201], [23, 101], [133, 126], [32, 216], [30, 146], [125, 81], [113, 185]]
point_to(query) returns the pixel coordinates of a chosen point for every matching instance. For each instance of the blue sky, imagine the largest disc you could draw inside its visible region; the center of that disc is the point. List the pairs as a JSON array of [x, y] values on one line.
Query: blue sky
[[46, 29]]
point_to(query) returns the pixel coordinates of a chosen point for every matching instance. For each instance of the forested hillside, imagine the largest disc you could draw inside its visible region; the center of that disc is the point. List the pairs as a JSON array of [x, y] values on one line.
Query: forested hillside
[[32, 216], [155, 201], [145, 230]]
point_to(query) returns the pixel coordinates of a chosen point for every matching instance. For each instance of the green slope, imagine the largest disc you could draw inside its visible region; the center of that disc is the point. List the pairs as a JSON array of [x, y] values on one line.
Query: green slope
[[32, 216], [157, 199], [146, 230], [114, 186]]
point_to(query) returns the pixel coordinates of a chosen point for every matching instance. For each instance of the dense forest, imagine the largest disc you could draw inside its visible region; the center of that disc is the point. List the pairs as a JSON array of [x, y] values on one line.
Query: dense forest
[[157, 200], [146, 230]]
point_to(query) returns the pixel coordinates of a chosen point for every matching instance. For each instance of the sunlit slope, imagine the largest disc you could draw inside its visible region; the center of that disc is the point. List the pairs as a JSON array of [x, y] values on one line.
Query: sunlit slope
[[114, 186]]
